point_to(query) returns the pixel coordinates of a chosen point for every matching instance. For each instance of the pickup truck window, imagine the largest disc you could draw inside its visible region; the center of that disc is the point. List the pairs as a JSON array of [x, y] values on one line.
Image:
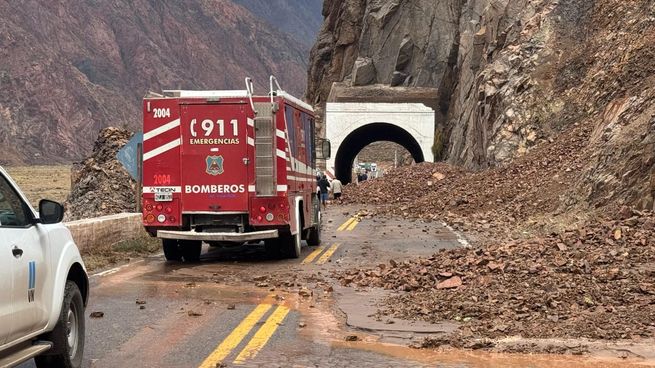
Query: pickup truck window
[[13, 211]]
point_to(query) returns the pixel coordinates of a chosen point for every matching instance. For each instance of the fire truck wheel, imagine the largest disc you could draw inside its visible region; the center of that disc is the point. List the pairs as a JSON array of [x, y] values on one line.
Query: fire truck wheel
[[314, 236], [292, 244], [314, 233], [171, 250], [190, 250]]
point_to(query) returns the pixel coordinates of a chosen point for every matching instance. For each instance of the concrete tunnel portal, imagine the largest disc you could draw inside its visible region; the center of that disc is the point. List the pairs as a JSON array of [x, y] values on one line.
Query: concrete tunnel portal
[[365, 135], [351, 126]]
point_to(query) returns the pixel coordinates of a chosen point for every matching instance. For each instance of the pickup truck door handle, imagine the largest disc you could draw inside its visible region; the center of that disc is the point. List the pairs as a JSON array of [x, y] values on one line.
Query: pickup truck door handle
[[17, 252]]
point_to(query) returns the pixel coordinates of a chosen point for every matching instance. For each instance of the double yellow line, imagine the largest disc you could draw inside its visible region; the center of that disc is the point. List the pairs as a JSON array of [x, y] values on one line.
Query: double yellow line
[[256, 343], [325, 257], [350, 224]]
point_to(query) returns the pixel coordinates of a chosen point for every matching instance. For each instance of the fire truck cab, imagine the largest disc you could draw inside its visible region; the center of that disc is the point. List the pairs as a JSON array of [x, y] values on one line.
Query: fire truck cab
[[229, 167]]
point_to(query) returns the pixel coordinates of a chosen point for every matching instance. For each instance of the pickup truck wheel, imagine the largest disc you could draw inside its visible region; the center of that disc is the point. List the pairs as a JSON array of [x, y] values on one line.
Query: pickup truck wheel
[[68, 335], [190, 250], [171, 250]]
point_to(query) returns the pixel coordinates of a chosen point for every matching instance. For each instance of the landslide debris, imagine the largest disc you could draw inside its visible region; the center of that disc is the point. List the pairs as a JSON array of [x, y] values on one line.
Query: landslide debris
[[546, 263], [396, 192], [535, 194], [100, 184], [596, 282]]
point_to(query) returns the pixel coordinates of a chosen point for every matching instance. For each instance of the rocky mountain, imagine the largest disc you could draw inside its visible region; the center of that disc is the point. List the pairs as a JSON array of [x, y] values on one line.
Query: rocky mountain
[[299, 18], [513, 75], [70, 68]]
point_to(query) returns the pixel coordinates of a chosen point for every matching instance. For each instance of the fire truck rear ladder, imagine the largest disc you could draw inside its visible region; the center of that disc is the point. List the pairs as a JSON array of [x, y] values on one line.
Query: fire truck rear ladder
[[265, 150]]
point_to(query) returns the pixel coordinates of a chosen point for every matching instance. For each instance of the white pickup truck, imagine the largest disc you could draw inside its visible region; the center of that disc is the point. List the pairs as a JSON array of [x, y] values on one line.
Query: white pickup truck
[[44, 287]]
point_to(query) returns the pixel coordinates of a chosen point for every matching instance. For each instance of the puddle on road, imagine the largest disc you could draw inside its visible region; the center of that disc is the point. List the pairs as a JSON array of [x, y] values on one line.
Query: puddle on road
[[324, 325], [470, 359]]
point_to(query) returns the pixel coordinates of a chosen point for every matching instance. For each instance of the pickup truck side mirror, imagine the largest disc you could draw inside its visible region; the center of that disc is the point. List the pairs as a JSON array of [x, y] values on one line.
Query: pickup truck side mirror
[[50, 212]]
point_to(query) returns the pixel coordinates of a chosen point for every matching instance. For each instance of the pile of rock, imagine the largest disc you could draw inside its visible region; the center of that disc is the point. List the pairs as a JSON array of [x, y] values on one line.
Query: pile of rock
[[595, 282], [535, 191], [401, 186], [100, 185]]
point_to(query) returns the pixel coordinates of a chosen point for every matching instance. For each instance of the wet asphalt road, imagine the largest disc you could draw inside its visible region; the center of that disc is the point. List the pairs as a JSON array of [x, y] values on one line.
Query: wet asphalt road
[[225, 311]]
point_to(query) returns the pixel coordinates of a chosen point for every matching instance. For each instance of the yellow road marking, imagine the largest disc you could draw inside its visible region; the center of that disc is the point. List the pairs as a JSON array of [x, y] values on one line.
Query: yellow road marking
[[263, 335], [328, 253], [235, 337], [313, 255], [345, 224], [352, 225]]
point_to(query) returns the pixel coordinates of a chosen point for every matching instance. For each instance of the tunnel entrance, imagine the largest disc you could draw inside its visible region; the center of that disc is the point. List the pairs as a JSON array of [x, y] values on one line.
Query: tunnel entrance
[[365, 135]]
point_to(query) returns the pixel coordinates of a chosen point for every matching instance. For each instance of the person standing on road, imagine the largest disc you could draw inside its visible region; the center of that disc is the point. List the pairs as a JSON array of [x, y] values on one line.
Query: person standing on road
[[337, 188], [360, 177], [324, 185]]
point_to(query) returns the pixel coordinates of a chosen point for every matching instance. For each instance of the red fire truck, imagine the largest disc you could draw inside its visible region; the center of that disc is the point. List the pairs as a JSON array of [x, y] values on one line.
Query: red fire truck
[[229, 167]]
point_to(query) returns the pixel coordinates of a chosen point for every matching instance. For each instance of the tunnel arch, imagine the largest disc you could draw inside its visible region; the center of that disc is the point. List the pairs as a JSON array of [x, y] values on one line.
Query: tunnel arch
[[361, 137]]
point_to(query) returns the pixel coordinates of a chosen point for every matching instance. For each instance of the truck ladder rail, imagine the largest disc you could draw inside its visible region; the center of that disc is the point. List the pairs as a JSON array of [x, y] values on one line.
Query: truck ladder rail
[[250, 89], [265, 150]]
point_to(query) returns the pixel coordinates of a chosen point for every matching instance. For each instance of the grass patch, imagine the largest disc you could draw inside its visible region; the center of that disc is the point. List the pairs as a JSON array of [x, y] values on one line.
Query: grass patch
[[97, 258], [39, 182]]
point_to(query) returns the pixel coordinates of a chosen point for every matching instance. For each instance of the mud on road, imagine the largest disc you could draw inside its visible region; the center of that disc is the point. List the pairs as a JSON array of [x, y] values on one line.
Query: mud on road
[[238, 308]]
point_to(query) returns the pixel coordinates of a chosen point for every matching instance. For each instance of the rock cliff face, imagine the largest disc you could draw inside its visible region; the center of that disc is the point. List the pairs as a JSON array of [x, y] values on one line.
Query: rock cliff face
[[513, 75], [394, 42], [299, 18], [70, 68]]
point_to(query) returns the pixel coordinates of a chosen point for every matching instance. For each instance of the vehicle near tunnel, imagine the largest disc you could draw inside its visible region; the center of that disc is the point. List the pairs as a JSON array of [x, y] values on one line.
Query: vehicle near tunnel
[[228, 167]]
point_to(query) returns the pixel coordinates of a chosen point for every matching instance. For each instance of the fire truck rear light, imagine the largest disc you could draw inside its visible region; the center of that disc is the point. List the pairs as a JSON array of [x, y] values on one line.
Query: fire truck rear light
[[169, 210], [161, 218], [269, 217], [262, 209], [159, 207], [150, 218], [259, 218], [148, 207]]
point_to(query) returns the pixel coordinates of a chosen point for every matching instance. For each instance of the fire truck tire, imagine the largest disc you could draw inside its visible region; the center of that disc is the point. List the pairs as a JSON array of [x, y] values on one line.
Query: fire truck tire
[[291, 244], [314, 233], [171, 250], [190, 250], [314, 236]]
